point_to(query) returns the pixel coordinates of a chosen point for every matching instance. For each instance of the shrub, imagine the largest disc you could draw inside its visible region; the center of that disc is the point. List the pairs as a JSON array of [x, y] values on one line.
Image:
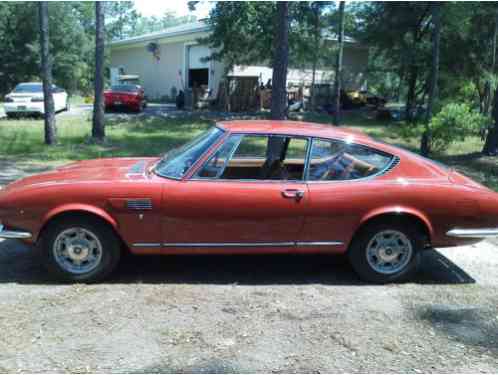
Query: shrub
[[454, 122]]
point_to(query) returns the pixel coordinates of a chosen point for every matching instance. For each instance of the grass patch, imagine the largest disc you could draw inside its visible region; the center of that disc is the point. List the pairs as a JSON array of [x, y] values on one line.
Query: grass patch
[[152, 136], [125, 137]]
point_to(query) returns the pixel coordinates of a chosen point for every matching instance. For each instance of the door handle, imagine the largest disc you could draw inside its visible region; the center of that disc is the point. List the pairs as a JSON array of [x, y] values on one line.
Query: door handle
[[293, 194]]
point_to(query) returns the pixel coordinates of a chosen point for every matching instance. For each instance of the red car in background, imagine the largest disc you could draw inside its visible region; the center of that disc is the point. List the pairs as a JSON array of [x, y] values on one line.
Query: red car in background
[[125, 96]]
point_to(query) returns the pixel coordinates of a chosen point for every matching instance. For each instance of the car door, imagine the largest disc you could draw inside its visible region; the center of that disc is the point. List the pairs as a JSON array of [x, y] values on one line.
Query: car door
[[343, 186], [241, 197]]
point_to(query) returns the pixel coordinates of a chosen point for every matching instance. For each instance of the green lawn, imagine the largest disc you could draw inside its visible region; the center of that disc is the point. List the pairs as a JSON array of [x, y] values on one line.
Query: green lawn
[[138, 136]]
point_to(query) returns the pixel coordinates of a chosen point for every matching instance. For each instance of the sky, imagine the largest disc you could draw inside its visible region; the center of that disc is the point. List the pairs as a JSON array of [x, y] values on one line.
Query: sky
[[180, 7]]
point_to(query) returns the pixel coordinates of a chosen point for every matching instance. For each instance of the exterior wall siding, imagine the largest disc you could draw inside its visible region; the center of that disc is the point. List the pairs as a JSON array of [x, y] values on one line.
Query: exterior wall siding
[[158, 77]]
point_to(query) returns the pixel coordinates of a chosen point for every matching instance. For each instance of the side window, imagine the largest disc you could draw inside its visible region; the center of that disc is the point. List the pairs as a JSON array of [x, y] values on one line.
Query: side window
[[256, 157], [216, 164], [333, 160]]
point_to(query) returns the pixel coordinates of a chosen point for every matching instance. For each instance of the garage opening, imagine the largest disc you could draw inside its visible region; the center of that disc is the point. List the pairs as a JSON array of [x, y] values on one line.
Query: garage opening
[[198, 77]]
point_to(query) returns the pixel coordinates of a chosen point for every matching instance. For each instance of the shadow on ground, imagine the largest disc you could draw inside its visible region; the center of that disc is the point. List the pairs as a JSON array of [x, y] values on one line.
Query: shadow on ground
[[469, 325], [18, 264]]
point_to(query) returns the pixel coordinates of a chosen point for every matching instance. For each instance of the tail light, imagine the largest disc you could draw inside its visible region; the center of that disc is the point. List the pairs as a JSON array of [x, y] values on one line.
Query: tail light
[[8, 99]]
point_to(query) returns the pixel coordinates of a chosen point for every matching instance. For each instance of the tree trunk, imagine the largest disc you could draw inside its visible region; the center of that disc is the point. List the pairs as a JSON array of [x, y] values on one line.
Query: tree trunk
[[411, 95], [401, 76], [280, 63], [338, 67], [98, 128], [48, 99], [491, 143], [492, 137], [425, 142], [316, 31]]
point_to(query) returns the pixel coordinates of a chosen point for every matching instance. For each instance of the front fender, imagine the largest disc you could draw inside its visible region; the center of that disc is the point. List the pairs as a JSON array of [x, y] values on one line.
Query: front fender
[[78, 207]]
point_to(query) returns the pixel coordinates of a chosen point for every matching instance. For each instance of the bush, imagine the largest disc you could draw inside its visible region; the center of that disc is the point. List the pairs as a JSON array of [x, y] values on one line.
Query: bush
[[454, 122]]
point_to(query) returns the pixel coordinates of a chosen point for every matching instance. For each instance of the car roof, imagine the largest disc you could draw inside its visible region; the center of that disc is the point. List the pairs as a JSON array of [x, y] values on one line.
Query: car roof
[[299, 128]]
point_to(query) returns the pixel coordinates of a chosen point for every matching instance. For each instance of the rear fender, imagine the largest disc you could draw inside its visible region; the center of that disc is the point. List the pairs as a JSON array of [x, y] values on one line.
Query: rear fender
[[399, 210]]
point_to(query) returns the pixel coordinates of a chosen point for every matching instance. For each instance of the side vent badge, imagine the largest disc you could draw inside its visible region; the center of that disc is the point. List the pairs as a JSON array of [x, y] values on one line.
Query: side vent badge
[[139, 204]]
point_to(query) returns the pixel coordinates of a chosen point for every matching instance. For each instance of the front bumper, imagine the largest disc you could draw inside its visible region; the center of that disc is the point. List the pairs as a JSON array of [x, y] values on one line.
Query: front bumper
[[473, 233], [11, 234]]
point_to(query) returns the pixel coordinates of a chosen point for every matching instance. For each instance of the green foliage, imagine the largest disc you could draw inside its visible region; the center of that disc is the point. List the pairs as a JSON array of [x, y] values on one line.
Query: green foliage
[[454, 123], [72, 40], [242, 32]]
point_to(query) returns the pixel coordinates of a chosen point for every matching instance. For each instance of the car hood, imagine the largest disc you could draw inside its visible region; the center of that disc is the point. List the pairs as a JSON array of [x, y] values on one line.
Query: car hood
[[97, 170]]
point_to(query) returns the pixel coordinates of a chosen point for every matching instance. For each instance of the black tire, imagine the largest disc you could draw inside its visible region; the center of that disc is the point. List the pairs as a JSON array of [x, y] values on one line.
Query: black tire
[[357, 252], [140, 108], [12, 116], [110, 244]]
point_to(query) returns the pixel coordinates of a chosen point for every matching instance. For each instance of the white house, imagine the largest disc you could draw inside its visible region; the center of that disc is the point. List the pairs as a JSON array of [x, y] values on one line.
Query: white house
[[172, 58]]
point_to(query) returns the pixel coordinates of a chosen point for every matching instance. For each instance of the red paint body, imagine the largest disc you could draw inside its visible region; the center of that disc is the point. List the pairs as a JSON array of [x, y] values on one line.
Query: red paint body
[[221, 211], [133, 101]]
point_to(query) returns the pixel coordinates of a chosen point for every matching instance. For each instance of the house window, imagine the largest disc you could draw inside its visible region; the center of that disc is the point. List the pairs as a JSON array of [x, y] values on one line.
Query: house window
[[198, 77]]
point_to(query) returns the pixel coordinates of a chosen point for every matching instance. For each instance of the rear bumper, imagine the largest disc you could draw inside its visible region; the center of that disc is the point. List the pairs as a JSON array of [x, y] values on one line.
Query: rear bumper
[[11, 234], [24, 107], [473, 233]]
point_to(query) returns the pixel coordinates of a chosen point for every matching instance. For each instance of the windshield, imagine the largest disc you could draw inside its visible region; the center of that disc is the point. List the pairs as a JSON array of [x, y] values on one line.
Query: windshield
[[29, 87], [178, 161], [125, 88]]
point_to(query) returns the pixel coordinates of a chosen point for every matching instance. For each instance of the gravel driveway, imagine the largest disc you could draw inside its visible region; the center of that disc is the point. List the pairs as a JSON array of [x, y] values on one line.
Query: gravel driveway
[[251, 314]]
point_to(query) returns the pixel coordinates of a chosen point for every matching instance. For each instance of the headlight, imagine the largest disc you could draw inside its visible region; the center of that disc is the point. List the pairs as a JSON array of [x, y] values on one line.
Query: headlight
[[37, 99], [8, 99]]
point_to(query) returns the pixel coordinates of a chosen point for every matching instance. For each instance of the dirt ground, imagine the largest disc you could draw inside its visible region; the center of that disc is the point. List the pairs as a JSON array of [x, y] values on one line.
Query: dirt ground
[[250, 314]]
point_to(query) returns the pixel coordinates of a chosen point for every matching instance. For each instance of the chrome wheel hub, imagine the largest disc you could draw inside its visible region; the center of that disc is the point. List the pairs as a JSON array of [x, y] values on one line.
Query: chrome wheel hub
[[77, 250], [389, 251]]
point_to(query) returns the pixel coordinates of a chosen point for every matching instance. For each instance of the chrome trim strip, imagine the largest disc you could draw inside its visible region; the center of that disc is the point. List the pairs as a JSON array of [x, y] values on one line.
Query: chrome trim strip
[[230, 244], [473, 233], [320, 243], [239, 244], [14, 234], [144, 244]]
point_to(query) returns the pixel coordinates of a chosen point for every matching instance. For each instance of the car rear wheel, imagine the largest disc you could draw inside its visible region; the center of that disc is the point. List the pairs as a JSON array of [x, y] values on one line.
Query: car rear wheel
[[386, 252], [80, 250]]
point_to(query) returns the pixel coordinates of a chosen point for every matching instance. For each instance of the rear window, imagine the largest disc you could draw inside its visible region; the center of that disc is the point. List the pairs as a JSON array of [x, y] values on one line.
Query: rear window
[[28, 87], [334, 160], [125, 88]]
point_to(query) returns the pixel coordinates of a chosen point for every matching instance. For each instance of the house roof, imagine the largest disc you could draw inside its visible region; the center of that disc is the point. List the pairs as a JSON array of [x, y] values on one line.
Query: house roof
[[191, 28], [187, 28]]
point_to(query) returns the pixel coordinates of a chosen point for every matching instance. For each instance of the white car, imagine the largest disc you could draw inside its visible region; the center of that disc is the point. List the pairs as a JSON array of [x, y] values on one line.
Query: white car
[[27, 98]]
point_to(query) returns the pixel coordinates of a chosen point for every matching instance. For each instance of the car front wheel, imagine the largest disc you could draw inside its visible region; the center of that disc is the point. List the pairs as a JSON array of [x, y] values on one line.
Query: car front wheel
[[386, 252], [80, 250]]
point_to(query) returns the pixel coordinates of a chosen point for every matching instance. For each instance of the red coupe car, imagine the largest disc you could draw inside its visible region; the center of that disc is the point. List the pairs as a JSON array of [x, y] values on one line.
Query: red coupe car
[[251, 187], [125, 96]]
